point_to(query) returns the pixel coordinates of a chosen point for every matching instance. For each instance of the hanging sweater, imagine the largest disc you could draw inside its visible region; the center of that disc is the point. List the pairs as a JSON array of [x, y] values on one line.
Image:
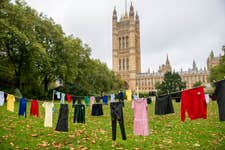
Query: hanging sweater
[[193, 102], [220, 94]]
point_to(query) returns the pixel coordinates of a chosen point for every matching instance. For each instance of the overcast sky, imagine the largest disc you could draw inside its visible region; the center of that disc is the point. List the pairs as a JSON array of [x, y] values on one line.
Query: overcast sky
[[183, 29]]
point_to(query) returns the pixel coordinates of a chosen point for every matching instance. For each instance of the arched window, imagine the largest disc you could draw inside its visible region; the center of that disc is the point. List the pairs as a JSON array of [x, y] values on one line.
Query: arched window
[[119, 64], [127, 64], [123, 42], [120, 43], [123, 64], [127, 42]]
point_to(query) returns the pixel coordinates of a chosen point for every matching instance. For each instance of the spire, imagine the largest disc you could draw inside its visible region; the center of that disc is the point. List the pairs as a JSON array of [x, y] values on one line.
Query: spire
[[211, 54], [131, 13], [194, 66], [114, 14], [137, 18], [167, 60]]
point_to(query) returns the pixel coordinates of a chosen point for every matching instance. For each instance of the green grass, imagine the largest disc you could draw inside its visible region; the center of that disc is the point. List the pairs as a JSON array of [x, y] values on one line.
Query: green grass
[[166, 132]]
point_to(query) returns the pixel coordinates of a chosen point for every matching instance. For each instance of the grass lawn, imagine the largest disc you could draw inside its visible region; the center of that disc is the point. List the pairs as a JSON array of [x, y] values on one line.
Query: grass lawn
[[166, 132]]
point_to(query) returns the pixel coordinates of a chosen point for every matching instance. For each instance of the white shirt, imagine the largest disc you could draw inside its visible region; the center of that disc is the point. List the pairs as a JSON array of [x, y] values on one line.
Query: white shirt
[[48, 113]]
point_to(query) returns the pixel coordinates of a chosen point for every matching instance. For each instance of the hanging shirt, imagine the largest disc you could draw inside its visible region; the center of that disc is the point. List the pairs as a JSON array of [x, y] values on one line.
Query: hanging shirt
[[220, 95], [163, 105], [58, 94], [63, 98], [2, 98], [120, 96], [129, 95], [105, 99], [48, 113], [23, 107], [140, 117], [34, 108], [10, 102], [92, 98], [68, 98], [87, 100], [207, 98], [193, 102], [112, 98]]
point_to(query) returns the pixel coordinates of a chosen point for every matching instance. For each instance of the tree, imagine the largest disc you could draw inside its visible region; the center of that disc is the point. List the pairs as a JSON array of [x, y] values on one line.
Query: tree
[[172, 82], [218, 72], [198, 83]]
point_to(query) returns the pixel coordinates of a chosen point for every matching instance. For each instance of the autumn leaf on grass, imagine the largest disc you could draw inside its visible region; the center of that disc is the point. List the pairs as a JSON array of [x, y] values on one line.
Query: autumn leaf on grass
[[43, 144], [196, 145], [34, 135]]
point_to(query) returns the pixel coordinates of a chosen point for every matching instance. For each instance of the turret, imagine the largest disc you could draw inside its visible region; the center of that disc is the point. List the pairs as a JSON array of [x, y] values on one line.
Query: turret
[[114, 15], [131, 13], [137, 18], [194, 66]]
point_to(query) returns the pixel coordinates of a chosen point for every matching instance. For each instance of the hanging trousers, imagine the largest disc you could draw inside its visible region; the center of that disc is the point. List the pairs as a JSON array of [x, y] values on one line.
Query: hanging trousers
[[62, 124], [220, 94], [117, 114]]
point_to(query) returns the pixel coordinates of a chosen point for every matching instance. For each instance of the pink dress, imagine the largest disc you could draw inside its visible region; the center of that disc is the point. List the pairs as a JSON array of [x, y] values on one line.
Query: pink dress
[[140, 117]]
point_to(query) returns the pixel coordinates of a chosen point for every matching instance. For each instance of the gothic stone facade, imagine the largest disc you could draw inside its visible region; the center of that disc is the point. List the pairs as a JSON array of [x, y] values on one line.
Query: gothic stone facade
[[127, 62]]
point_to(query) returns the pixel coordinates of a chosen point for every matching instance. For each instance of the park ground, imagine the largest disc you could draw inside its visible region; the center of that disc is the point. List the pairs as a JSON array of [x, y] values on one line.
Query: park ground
[[166, 132]]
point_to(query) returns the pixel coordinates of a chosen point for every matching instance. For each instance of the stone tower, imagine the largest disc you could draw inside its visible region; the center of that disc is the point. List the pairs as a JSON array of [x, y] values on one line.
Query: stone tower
[[126, 46]]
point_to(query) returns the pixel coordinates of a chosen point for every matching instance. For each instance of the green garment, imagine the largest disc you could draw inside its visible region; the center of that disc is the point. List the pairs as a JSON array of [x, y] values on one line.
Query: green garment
[[87, 100], [149, 100]]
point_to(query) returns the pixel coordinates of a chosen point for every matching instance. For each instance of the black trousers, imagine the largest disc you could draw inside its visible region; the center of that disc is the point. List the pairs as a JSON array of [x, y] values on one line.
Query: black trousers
[[220, 95], [62, 124], [96, 110], [79, 113], [117, 114]]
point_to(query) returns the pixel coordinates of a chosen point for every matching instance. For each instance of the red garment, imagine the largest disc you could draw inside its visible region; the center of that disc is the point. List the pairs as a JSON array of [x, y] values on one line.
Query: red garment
[[68, 97], [193, 101], [34, 111]]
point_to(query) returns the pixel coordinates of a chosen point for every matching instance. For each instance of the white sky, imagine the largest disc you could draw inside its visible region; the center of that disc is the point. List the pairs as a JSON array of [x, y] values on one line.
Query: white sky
[[183, 29]]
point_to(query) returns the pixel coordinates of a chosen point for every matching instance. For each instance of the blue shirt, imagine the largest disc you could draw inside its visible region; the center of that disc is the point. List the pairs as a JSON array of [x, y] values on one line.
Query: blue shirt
[[105, 99]]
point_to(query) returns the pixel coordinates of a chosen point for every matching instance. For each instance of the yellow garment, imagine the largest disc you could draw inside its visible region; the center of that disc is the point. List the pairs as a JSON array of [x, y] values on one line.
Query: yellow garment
[[10, 102], [129, 95], [48, 113]]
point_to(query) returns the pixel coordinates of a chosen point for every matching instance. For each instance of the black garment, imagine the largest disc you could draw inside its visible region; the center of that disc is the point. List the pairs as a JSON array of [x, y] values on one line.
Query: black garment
[[121, 99], [98, 99], [117, 114], [74, 100], [149, 100], [62, 124], [96, 110], [213, 96], [152, 93], [79, 113], [220, 94], [177, 99], [163, 105]]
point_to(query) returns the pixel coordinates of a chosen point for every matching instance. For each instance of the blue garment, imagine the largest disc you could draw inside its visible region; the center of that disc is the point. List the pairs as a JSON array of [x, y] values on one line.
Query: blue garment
[[120, 96], [23, 107], [105, 100]]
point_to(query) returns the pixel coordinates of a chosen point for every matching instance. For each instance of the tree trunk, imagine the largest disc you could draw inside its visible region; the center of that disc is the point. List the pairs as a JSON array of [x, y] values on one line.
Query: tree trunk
[[46, 84]]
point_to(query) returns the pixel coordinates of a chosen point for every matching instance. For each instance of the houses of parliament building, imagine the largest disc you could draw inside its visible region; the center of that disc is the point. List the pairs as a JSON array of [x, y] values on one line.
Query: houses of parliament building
[[126, 57]]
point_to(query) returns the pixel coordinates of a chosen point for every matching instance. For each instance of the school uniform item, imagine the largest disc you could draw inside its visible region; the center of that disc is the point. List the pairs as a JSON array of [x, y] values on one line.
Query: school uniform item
[[62, 124], [10, 102], [220, 94], [193, 102], [62, 98], [68, 98], [120, 95], [163, 105], [117, 115], [48, 106], [34, 108], [96, 110], [207, 98], [213, 96], [23, 107], [105, 100], [79, 113], [177, 100], [140, 117], [149, 100], [129, 95], [92, 99], [98, 99], [87, 100], [112, 98], [2, 98], [58, 95]]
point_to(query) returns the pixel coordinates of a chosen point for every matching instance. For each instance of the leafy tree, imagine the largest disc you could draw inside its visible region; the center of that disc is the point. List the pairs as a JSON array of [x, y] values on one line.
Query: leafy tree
[[218, 72], [172, 82], [198, 83]]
